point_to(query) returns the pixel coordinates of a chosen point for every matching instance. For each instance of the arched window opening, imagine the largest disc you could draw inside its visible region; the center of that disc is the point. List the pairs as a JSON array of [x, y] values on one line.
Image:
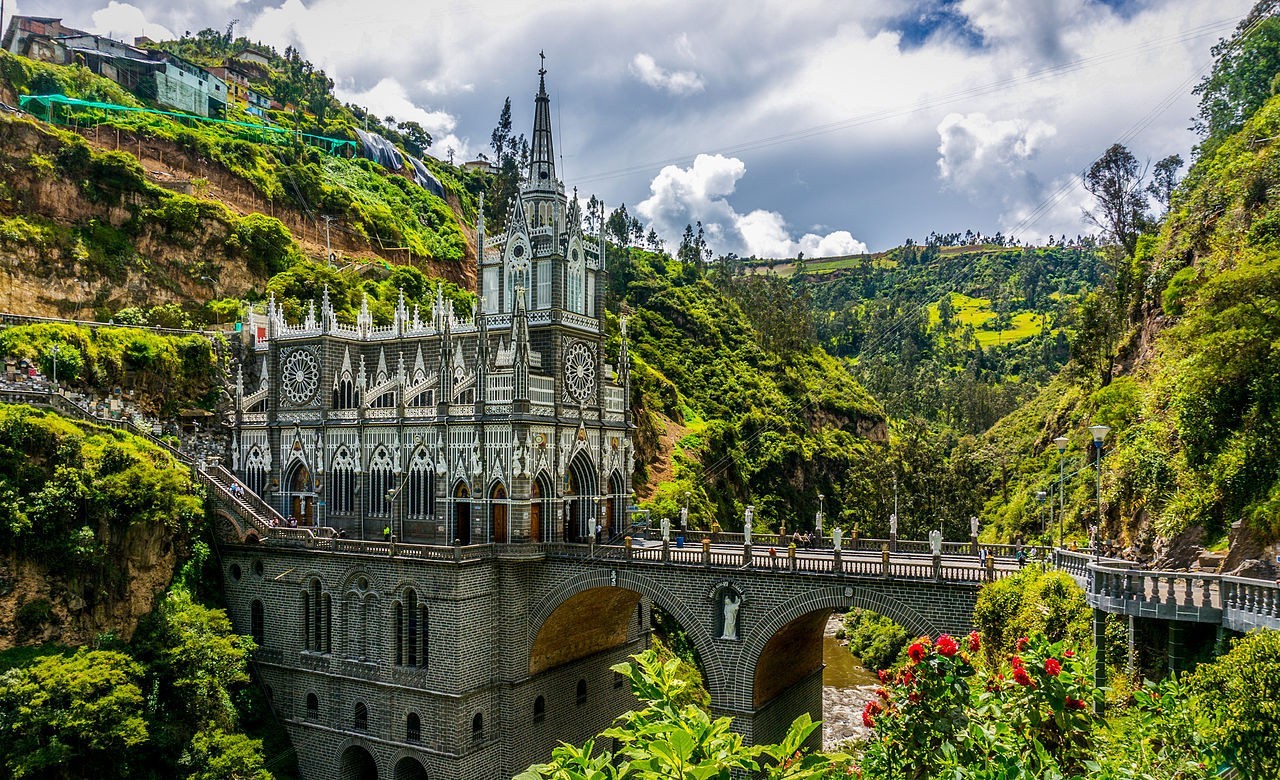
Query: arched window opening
[[344, 393], [257, 623], [411, 630], [539, 709], [342, 483], [422, 622], [477, 728], [581, 694], [308, 630], [420, 503], [326, 638], [413, 728], [361, 720], [313, 706], [380, 482], [255, 472], [397, 632], [385, 401]]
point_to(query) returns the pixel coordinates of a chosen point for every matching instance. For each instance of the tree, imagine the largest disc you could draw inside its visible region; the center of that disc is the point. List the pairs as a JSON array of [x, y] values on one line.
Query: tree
[[77, 716], [618, 226], [1241, 79], [1115, 181], [416, 138], [500, 139], [1164, 180]]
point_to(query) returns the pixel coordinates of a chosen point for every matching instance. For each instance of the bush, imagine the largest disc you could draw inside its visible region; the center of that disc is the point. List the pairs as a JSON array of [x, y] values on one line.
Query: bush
[[1032, 601], [264, 242], [1237, 694], [875, 639]]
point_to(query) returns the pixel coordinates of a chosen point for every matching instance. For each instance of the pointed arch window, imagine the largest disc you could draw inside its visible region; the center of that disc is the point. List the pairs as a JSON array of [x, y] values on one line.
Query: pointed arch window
[[425, 398], [344, 391], [413, 728], [420, 502], [361, 719], [380, 482], [576, 284], [342, 482], [542, 279], [385, 401], [255, 470]]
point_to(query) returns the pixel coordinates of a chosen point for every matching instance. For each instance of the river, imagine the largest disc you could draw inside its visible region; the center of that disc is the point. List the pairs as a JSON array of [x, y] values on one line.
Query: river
[[846, 687]]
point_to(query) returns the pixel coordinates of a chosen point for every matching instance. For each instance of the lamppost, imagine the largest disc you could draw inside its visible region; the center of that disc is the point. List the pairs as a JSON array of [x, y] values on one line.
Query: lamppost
[[55, 368], [1061, 443], [818, 520], [1041, 496], [1099, 433]]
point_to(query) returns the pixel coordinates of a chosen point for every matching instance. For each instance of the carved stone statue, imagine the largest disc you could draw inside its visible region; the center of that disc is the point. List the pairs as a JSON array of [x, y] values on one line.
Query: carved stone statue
[[973, 526], [893, 525], [731, 603], [935, 541], [665, 524], [837, 536], [684, 518], [748, 517]]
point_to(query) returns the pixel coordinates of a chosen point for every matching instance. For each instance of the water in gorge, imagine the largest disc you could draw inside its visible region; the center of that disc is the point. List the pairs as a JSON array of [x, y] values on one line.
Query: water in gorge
[[846, 687]]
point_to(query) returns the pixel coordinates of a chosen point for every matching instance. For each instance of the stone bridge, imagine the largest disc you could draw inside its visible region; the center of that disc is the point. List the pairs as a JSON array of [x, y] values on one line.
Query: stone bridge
[[473, 662]]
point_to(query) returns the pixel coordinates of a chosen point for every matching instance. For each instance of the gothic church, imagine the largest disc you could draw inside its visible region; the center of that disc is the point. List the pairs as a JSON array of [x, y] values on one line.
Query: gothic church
[[504, 426]]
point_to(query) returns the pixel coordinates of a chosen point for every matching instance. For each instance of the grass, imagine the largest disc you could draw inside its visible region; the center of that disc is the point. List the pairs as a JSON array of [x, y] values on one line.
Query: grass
[[977, 313]]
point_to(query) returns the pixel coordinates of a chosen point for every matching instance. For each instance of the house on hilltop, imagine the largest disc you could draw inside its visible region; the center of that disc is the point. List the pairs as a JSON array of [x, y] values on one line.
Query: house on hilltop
[[180, 84]]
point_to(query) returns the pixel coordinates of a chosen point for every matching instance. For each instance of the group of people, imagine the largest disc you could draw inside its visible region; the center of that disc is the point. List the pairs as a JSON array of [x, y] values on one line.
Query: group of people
[[805, 539]]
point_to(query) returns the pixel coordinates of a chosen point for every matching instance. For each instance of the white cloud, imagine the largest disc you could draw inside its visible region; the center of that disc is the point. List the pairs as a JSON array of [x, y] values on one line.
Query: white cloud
[[978, 154], [125, 22], [677, 82], [388, 98], [699, 193]]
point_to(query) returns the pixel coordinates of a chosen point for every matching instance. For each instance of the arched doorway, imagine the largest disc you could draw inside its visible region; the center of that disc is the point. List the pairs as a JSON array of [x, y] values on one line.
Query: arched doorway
[[535, 510], [408, 768], [498, 511], [357, 764], [462, 513], [300, 495], [580, 499]]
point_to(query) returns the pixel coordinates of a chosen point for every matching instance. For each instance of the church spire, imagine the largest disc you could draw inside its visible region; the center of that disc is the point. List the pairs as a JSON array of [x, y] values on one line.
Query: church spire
[[542, 165]]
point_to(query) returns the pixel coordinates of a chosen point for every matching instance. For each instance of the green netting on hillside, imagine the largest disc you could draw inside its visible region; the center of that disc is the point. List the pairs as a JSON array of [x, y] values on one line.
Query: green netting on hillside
[[250, 131]]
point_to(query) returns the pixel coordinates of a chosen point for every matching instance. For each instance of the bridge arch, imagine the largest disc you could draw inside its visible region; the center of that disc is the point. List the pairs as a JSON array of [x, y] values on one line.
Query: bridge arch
[[357, 761], [543, 628], [785, 645]]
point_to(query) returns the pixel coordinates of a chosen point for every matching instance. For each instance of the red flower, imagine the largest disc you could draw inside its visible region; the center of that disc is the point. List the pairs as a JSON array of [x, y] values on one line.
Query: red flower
[[1074, 704], [882, 693], [869, 712], [1070, 653], [1021, 677], [946, 646], [1022, 643], [1015, 662], [908, 677], [974, 642], [916, 652], [883, 674], [1052, 667], [915, 697]]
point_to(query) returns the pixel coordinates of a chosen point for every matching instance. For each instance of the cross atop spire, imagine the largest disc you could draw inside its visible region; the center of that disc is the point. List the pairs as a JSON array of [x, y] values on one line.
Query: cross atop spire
[[542, 166]]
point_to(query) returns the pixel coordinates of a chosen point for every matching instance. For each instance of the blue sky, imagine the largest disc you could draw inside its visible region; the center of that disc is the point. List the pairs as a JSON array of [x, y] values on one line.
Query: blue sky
[[783, 125]]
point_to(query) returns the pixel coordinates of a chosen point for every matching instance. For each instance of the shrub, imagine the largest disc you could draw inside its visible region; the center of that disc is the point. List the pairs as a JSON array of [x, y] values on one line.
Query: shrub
[[875, 639], [264, 242], [1237, 695], [1032, 601]]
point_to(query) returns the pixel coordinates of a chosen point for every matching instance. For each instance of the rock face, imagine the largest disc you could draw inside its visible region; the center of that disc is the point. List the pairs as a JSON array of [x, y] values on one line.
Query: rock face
[[46, 601], [1246, 556], [1179, 552]]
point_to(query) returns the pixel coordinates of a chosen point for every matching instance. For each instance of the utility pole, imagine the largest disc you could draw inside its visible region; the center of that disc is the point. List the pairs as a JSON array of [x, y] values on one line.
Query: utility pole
[[328, 252]]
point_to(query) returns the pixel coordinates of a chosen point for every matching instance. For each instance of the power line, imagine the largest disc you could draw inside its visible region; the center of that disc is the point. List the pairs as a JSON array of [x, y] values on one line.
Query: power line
[[939, 101], [914, 312]]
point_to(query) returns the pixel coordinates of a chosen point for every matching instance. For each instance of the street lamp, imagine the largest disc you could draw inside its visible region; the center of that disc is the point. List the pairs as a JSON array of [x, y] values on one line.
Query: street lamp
[[1041, 496], [1099, 433], [1061, 443], [818, 520], [55, 368]]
